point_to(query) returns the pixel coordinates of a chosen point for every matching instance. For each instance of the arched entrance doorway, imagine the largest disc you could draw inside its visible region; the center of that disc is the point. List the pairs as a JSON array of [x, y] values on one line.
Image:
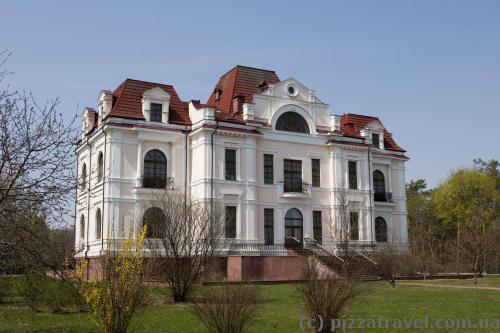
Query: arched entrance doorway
[[293, 225]]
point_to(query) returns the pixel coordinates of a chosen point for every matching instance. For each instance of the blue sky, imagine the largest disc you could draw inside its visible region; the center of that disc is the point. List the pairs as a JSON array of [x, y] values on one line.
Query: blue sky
[[429, 69]]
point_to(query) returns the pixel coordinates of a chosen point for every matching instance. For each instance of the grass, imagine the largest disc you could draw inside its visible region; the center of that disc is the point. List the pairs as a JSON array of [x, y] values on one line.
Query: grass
[[281, 310]]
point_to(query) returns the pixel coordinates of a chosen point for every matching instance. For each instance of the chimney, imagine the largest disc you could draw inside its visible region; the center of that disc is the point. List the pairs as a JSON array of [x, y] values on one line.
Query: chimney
[[89, 119], [105, 103], [335, 123], [248, 112], [366, 133], [238, 101]]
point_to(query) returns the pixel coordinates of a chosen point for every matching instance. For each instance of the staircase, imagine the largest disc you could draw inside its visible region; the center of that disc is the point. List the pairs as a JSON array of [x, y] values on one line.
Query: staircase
[[355, 265]]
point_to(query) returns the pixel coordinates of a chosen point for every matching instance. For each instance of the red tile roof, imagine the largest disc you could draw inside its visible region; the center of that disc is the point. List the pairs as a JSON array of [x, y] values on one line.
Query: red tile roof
[[239, 81], [352, 124], [127, 101]]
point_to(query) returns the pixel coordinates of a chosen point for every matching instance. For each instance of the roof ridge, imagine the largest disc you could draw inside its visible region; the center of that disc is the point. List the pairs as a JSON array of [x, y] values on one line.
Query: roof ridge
[[163, 84], [237, 67], [261, 69], [360, 115]]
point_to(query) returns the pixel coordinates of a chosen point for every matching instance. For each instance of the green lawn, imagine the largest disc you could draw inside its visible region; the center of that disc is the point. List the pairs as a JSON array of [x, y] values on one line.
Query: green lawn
[[281, 310]]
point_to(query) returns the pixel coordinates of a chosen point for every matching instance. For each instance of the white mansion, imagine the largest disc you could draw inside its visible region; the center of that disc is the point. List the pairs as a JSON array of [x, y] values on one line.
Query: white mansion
[[268, 150]]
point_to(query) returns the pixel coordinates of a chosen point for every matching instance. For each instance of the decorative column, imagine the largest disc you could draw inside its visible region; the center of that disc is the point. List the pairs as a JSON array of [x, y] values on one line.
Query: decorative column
[[139, 163], [172, 160], [251, 159]]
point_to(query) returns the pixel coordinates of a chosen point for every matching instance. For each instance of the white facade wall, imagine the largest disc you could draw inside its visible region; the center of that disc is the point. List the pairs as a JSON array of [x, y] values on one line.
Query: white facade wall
[[122, 198]]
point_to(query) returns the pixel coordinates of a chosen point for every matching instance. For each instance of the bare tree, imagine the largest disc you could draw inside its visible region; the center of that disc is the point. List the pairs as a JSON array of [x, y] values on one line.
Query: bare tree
[[478, 244], [325, 297], [184, 235], [388, 260], [36, 168], [341, 231], [227, 308]]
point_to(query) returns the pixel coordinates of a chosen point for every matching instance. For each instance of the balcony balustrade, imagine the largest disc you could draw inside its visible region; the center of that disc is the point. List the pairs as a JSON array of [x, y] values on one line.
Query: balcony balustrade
[[383, 196]]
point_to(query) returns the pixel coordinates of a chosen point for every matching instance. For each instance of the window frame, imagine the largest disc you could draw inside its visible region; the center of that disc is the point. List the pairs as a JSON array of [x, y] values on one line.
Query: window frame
[[98, 224], [230, 166], [151, 232], [354, 222], [352, 171], [82, 226], [155, 169], [230, 225], [378, 182], [376, 143], [291, 121], [316, 172], [83, 177], [378, 232], [318, 226], [292, 176], [153, 113], [268, 160], [268, 226], [100, 167]]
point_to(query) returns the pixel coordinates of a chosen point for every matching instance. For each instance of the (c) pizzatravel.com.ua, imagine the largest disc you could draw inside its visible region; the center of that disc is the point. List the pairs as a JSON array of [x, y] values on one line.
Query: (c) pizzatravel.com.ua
[[393, 325]]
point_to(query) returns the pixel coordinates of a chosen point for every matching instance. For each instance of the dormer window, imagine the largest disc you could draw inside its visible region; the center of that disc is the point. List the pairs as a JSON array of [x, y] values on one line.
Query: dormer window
[[155, 105], [376, 139], [218, 93], [156, 111]]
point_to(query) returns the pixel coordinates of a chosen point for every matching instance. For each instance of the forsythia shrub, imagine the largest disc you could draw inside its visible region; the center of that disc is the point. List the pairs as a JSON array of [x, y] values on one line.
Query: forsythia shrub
[[115, 298]]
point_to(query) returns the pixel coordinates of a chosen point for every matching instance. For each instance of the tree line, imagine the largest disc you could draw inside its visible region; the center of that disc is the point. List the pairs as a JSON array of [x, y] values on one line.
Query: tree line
[[455, 227]]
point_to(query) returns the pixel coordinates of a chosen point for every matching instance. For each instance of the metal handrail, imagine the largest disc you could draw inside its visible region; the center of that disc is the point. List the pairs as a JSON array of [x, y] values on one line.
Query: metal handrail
[[382, 196], [165, 183], [309, 241]]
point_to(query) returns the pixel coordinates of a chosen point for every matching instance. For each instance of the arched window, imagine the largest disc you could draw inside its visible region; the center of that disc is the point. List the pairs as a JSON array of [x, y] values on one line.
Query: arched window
[[155, 169], [98, 224], [379, 186], [292, 122], [154, 219], [380, 230], [293, 225], [82, 226], [100, 167], [83, 177]]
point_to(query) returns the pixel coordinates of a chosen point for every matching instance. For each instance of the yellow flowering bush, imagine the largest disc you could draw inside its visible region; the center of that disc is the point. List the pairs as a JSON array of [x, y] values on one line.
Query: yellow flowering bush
[[116, 295]]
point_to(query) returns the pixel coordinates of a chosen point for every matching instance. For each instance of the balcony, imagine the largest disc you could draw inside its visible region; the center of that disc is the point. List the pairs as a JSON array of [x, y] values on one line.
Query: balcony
[[382, 196], [158, 183], [295, 187], [297, 190]]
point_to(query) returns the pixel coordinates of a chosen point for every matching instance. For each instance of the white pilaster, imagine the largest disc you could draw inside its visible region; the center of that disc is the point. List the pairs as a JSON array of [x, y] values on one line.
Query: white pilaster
[[139, 163]]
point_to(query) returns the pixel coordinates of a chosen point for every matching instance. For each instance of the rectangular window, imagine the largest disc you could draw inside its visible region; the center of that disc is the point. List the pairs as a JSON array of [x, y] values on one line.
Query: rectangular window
[[353, 175], [317, 226], [268, 169], [316, 175], [354, 226], [155, 112], [293, 175], [269, 226], [230, 221], [376, 139], [230, 164]]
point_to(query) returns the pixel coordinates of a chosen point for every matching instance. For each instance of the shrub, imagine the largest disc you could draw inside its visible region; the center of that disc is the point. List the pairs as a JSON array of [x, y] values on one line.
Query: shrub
[[325, 297], [227, 308], [114, 300]]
